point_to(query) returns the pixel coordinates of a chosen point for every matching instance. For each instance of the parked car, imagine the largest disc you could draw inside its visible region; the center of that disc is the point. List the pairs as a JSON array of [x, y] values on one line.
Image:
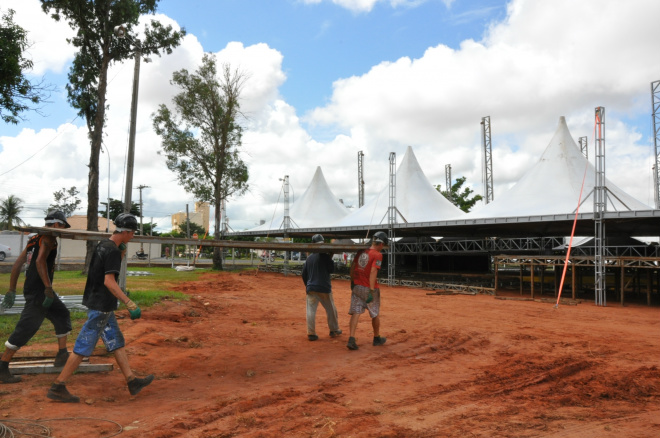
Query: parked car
[[5, 252]]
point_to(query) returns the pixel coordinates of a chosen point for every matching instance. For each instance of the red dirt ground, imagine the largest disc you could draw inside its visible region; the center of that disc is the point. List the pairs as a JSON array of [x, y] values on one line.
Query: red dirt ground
[[235, 361]]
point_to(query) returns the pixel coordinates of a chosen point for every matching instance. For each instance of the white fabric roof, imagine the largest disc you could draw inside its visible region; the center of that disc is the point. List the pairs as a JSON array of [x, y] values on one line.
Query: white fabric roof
[[317, 207], [416, 199], [553, 185]]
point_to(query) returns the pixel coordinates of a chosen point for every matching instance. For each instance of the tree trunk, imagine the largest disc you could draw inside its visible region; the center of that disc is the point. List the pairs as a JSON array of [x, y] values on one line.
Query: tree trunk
[[217, 251], [93, 179]]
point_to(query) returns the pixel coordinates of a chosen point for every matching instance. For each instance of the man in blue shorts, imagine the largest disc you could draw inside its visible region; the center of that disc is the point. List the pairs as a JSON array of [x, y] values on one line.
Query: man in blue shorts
[[101, 298]]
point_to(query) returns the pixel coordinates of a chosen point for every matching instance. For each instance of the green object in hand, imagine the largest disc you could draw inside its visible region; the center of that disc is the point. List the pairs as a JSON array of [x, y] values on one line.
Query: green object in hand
[[135, 314], [122, 246], [48, 301], [8, 300], [370, 297]]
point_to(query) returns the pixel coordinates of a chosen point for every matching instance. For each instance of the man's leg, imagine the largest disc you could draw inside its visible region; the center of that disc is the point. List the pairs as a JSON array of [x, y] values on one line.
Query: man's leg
[[312, 304], [375, 324], [27, 326], [331, 312], [135, 384], [58, 391]]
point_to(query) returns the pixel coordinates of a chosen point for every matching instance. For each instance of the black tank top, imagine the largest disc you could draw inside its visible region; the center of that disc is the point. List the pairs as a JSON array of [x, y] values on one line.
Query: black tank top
[[33, 285]]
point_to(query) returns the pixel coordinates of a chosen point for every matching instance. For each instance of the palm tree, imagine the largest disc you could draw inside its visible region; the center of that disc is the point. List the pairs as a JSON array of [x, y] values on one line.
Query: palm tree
[[10, 208]]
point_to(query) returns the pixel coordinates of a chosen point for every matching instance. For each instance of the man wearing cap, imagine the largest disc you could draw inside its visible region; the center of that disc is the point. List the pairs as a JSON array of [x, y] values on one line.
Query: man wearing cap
[[365, 294], [41, 302], [316, 277], [101, 297]]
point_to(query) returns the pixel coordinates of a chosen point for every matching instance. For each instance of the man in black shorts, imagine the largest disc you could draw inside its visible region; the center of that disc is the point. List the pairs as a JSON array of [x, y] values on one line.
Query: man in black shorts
[[41, 302]]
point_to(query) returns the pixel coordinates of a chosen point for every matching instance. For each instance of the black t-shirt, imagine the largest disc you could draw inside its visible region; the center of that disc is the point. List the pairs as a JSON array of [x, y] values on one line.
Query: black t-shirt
[[105, 260], [33, 285]]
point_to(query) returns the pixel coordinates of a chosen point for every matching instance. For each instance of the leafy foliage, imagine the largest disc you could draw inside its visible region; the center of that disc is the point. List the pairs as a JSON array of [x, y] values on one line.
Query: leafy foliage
[[65, 200], [94, 22], [10, 208], [17, 93], [116, 207], [201, 135], [459, 198]]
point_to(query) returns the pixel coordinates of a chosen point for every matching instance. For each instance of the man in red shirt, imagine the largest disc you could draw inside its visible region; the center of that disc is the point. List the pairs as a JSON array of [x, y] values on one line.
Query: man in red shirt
[[365, 294]]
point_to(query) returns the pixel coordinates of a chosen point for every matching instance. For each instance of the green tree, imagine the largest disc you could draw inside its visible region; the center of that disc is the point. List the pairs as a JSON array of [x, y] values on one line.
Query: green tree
[[17, 93], [208, 164], [94, 22], [10, 208], [148, 227], [117, 207], [65, 200], [459, 198]]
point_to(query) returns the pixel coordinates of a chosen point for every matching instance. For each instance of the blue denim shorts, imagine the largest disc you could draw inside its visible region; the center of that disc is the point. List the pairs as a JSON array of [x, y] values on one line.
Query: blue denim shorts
[[98, 325]]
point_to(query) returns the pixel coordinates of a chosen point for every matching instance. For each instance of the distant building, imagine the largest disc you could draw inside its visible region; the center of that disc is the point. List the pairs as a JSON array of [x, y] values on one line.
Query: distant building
[[200, 217]]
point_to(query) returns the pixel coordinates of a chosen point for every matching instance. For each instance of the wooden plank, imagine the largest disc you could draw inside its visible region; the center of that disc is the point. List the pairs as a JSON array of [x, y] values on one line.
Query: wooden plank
[[277, 246], [26, 368]]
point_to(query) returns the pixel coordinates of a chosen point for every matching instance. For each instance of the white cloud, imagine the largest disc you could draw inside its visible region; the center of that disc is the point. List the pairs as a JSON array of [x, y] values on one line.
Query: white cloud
[[368, 5], [49, 53], [547, 59]]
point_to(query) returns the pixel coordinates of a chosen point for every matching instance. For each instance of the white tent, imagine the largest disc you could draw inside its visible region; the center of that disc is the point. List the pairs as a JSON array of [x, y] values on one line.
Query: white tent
[[317, 207], [416, 199], [553, 185]]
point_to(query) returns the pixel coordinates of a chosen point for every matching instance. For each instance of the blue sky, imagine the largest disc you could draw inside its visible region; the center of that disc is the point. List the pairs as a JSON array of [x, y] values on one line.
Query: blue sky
[[331, 77]]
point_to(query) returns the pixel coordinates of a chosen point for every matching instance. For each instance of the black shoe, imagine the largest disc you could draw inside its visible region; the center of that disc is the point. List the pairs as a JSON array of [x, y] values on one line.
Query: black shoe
[[379, 340], [312, 337], [58, 392], [351, 344], [136, 385], [335, 333], [61, 358], [7, 377]]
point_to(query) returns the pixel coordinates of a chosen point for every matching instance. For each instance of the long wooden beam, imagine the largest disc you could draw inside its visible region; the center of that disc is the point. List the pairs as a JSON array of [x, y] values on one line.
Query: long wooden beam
[[276, 246]]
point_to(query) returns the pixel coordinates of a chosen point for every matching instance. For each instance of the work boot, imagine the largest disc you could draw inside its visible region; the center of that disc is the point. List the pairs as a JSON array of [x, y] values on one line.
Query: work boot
[[335, 333], [58, 392], [352, 345], [379, 340], [6, 376], [61, 358], [136, 385], [312, 337]]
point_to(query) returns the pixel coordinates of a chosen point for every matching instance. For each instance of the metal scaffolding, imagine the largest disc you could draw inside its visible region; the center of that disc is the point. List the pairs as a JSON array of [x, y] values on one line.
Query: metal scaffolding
[[655, 101], [360, 179], [600, 207], [583, 146], [391, 220], [488, 160]]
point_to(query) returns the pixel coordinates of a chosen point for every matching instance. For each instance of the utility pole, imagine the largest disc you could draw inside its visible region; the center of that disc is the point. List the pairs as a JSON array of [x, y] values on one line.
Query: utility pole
[[140, 187]]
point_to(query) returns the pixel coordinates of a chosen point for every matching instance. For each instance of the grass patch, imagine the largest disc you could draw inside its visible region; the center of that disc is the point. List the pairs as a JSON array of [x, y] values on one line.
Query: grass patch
[[144, 290]]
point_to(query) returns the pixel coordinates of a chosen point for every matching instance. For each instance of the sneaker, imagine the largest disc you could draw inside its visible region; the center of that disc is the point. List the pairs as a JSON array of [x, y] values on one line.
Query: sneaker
[[379, 340], [61, 358], [7, 377], [58, 392], [312, 337], [335, 333], [136, 385], [351, 344]]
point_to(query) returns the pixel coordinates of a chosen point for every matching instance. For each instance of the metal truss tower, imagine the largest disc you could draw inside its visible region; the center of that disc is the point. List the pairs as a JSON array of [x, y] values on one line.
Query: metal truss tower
[[488, 159], [391, 220], [600, 207], [583, 146], [655, 100], [360, 179], [286, 224], [448, 182]]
